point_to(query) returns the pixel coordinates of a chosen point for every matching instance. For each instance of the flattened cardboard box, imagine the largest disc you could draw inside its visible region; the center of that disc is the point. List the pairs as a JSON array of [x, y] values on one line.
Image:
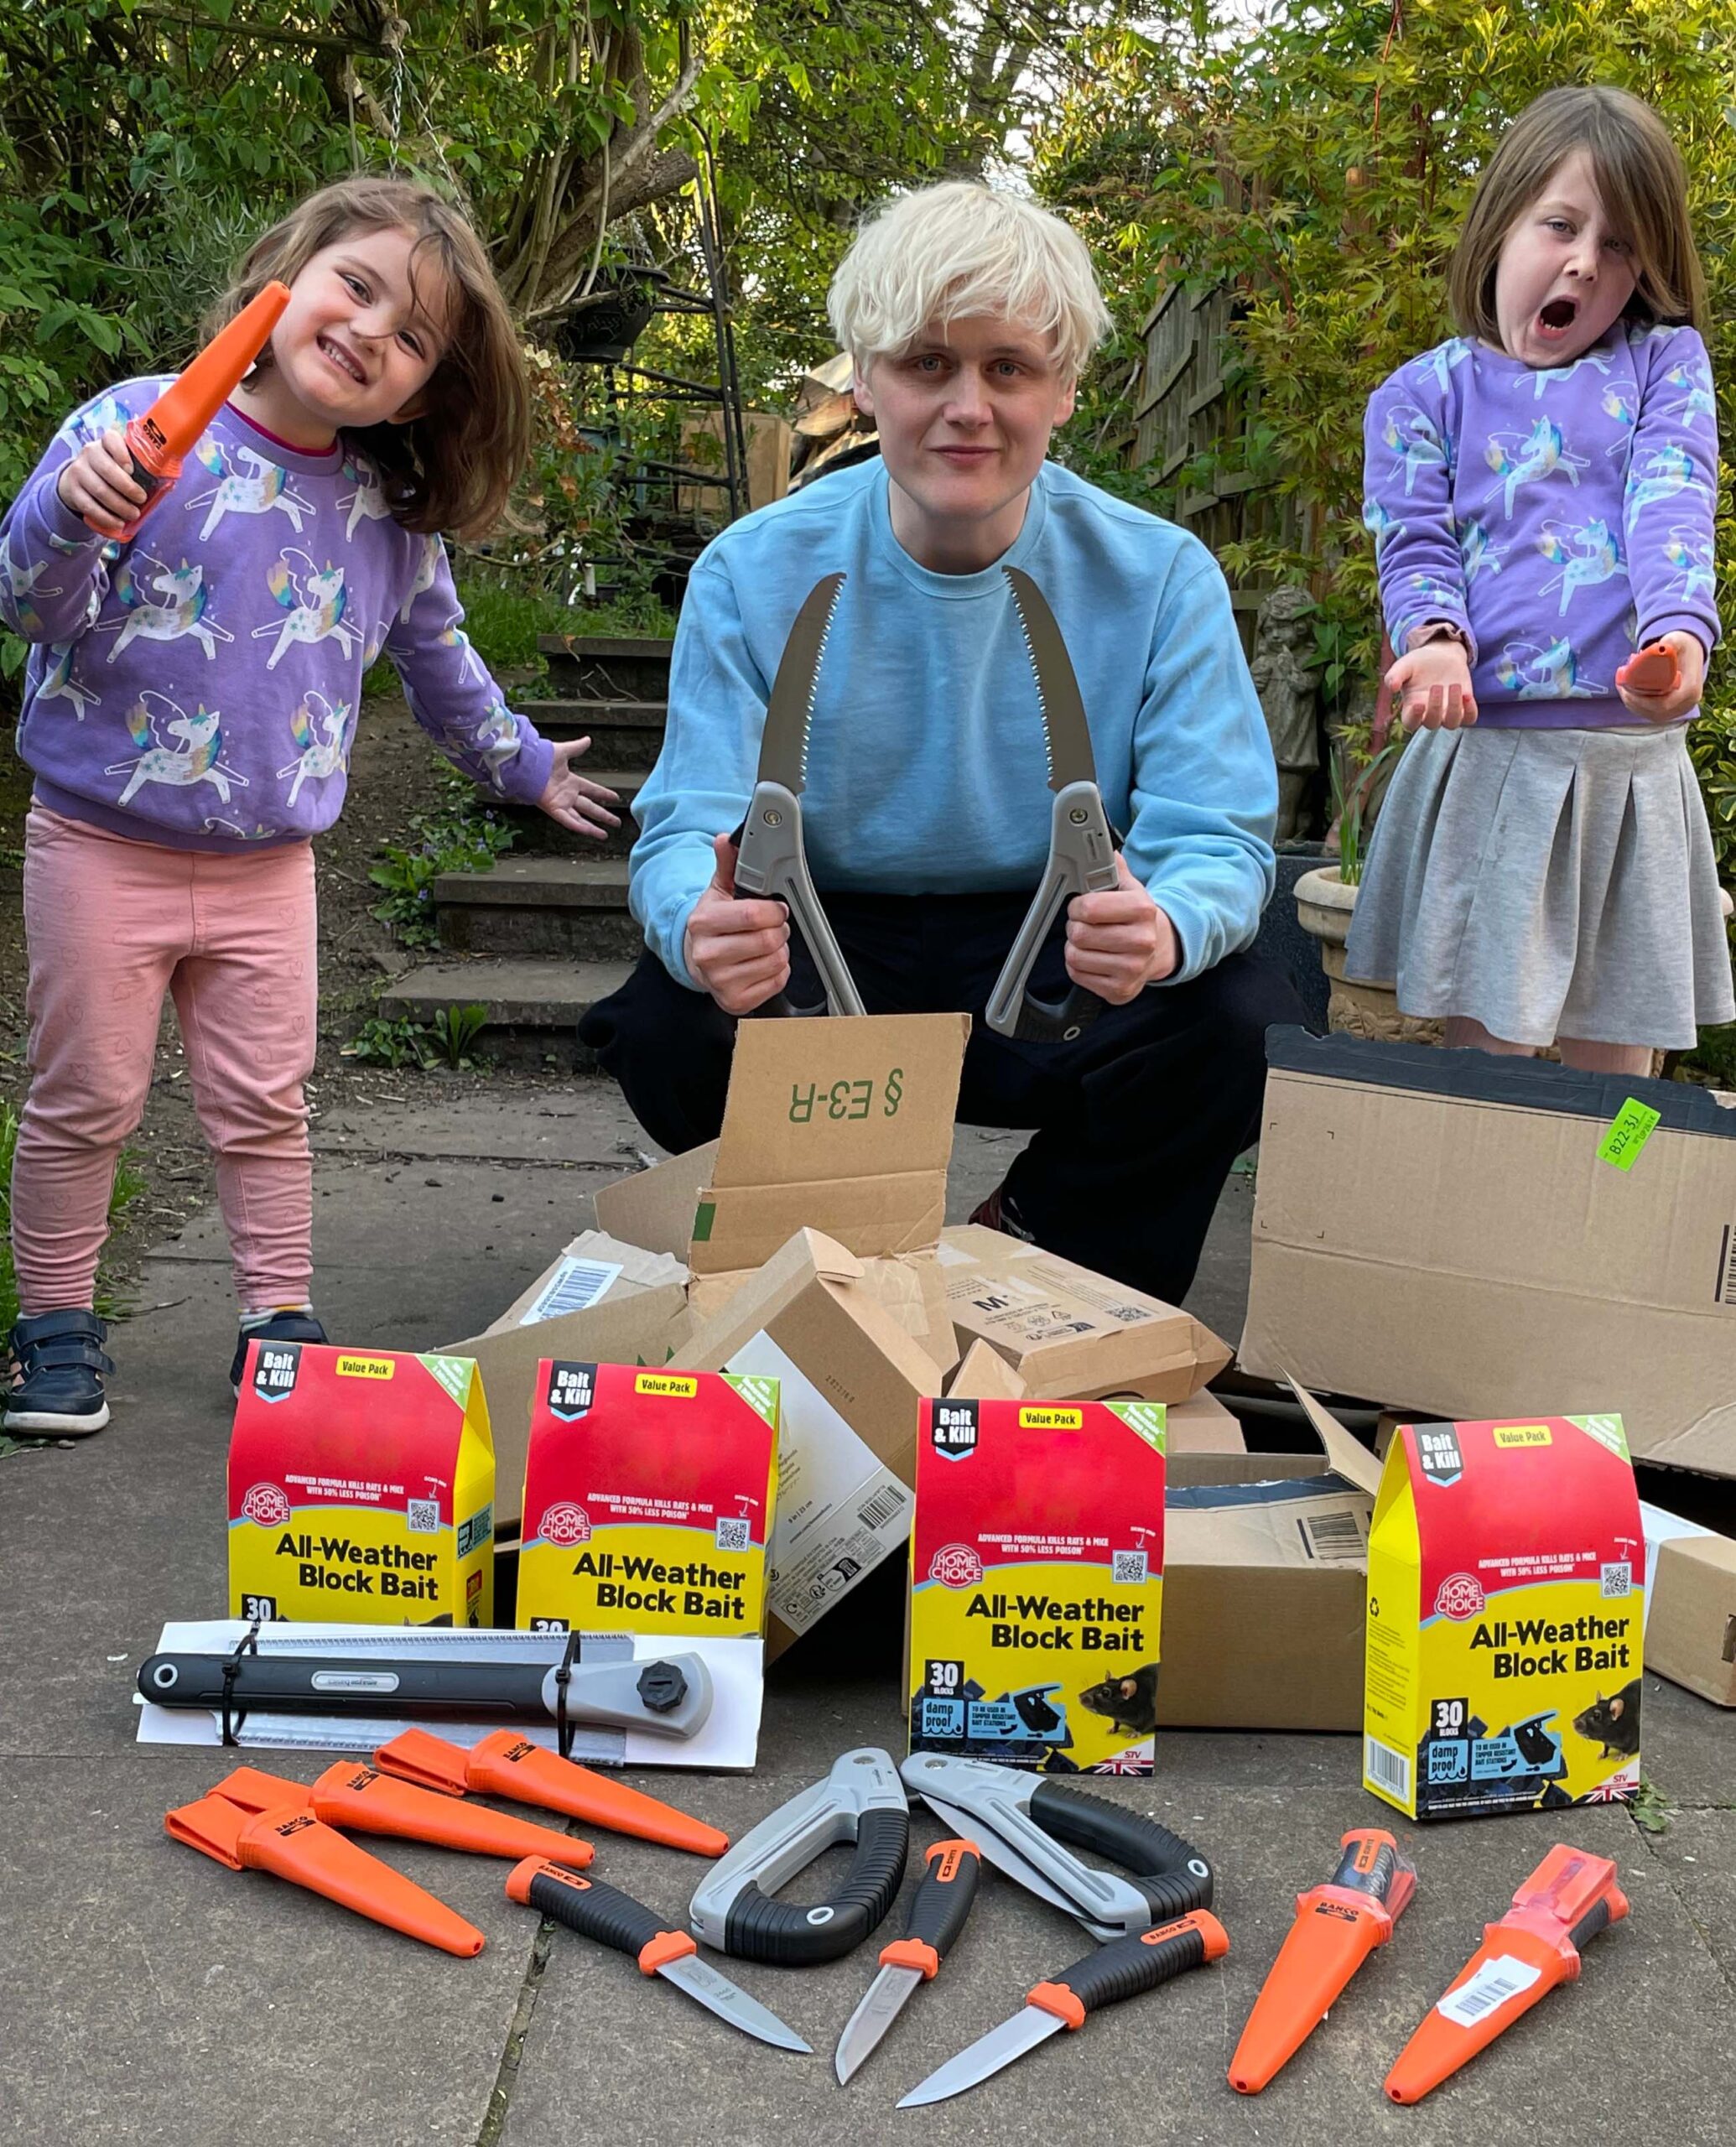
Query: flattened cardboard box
[[850, 1382], [644, 1326], [1070, 1335], [590, 1267], [1200, 1425], [1439, 1231]]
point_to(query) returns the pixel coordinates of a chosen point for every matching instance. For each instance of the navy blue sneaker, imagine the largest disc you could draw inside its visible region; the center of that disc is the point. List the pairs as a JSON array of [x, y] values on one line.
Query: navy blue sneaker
[[281, 1326], [59, 1365]]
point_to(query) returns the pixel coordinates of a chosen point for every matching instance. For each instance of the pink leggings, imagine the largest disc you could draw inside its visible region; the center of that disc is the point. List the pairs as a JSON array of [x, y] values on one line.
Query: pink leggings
[[111, 924]]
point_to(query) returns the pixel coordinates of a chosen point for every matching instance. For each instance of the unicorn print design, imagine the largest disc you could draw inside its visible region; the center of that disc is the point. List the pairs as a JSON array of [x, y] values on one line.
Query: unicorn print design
[[18, 583], [318, 758], [1477, 550], [1415, 441], [184, 601], [195, 759], [1380, 525], [265, 485], [1552, 375], [367, 503], [1669, 471], [455, 637], [1586, 556], [425, 567], [1543, 674], [1695, 383], [1438, 365], [316, 613], [1689, 551], [57, 683], [107, 414], [494, 742], [1543, 453], [1616, 405]]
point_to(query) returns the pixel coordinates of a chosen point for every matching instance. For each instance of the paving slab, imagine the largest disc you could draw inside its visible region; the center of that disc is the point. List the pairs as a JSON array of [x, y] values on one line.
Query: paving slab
[[1697, 1850]]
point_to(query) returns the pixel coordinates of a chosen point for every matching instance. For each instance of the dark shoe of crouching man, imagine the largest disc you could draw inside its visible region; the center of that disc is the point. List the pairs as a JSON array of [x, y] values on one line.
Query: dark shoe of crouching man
[[968, 314]]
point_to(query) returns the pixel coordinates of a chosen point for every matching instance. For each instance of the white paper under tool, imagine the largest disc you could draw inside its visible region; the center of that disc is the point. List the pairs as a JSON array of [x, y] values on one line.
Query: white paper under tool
[[728, 1740]]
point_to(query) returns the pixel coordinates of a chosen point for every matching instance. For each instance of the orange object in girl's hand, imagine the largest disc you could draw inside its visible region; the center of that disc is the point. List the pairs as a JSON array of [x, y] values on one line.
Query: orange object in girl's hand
[[1650, 670]]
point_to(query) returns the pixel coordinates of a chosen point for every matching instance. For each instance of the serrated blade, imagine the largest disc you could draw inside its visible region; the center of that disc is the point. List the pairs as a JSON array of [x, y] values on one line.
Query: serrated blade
[[1067, 736], [882, 2004], [995, 1851], [719, 1995], [789, 713], [988, 2054]]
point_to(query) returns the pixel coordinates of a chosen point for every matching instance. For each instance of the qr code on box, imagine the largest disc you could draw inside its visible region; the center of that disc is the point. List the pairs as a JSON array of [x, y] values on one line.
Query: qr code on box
[[1129, 1567], [732, 1533], [1618, 1579], [423, 1516]]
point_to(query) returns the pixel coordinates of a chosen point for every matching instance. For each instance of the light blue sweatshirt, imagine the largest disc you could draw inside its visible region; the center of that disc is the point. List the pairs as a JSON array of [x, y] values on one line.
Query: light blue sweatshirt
[[926, 768]]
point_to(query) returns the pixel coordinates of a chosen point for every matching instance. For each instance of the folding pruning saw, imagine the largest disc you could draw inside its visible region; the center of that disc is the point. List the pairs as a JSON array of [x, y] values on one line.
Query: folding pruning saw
[[1022, 1824], [1082, 843], [771, 860]]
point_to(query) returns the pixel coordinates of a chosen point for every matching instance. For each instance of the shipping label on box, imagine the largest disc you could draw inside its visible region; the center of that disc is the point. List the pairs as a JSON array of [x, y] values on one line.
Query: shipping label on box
[[361, 1487], [1506, 1563], [1037, 1583], [648, 1496]]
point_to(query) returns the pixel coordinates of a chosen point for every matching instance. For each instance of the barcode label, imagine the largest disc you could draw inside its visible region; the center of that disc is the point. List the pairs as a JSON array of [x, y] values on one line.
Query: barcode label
[[1618, 1579], [1332, 1537], [1130, 1568], [1723, 1288], [575, 1286], [732, 1533], [1386, 1769], [1493, 1983], [421, 1516], [881, 1506]]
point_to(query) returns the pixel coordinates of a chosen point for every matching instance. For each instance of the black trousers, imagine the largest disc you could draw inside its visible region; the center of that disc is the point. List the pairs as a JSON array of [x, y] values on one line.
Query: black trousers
[[1137, 1122]]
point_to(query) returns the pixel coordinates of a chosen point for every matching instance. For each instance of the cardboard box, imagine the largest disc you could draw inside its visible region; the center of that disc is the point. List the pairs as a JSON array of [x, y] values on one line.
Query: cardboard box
[[1505, 1581], [850, 1382], [1263, 1585], [1691, 1606], [1201, 1425], [1037, 1583], [641, 1327], [360, 1483], [1439, 1231], [984, 1375], [589, 1268], [909, 1288], [650, 1496], [1069, 1333]]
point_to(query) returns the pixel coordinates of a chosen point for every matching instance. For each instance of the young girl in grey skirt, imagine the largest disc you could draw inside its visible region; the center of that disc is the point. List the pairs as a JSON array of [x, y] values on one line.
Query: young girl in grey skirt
[[1541, 490]]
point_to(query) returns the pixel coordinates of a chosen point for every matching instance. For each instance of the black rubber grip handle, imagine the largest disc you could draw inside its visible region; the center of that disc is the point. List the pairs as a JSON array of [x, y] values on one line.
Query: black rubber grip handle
[[1127, 1965], [1171, 1873], [358, 1685], [1376, 1881], [1595, 1919], [940, 1907], [1057, 1020], [761, 1928], [597, 1911]]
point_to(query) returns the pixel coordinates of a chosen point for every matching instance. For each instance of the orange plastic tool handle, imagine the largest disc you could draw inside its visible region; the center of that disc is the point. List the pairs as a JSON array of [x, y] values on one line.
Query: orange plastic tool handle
[[1650, 670]]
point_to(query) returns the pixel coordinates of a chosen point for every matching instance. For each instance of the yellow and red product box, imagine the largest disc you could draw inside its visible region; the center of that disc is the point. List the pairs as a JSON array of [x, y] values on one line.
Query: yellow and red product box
[[1037, 1583], [648, 1498], [1506, 1561], [361, 1488]]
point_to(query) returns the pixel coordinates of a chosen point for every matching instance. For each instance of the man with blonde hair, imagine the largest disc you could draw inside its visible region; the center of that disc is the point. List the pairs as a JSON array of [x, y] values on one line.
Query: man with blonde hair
[[968, 314]]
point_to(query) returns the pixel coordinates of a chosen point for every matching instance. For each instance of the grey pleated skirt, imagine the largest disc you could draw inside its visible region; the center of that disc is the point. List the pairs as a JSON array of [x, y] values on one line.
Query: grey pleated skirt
[[1547, 883]]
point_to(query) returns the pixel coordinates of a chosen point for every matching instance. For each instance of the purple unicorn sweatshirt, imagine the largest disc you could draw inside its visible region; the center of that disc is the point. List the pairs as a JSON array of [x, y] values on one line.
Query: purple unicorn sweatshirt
[[199, 686], [1563, 518]]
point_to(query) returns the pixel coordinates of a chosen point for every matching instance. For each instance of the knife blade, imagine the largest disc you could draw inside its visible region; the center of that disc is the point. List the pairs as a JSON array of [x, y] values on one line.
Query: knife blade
[[598, 1910], [789, 713], [939, 1909], [1067, 736]]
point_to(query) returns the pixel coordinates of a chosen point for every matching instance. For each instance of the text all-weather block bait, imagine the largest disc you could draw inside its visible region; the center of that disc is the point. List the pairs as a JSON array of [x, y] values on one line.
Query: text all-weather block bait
[[647, 1500], [1037, 1583], [361, 1488], [1502, 1667]]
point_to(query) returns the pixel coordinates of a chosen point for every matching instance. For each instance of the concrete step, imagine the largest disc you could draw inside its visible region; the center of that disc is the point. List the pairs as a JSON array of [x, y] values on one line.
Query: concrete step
[[572, 906], [628, 734], [607, 668], [537, 835], [533, 1006]]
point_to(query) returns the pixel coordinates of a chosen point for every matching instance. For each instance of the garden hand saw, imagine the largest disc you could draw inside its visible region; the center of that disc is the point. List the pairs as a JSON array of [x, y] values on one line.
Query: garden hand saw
[[1082, 843], [770, 859]]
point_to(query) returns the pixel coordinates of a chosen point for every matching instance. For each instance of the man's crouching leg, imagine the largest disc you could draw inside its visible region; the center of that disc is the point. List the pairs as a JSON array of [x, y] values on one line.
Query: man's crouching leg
[[670, 1050], [1141, 1119]]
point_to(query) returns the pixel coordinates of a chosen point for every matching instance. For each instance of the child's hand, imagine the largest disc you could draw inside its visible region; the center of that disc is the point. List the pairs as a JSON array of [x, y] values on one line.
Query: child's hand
[[1433, 684], [577, 803], [98, 484], [1671, 707]]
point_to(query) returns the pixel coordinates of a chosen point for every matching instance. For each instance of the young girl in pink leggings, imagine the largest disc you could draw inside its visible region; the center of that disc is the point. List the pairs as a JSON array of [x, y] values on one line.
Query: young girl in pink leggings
[[188, 707]]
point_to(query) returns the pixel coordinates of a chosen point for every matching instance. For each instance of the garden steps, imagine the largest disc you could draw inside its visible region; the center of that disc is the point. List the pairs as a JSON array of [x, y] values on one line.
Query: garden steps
[[534, 1002], [571, 906]]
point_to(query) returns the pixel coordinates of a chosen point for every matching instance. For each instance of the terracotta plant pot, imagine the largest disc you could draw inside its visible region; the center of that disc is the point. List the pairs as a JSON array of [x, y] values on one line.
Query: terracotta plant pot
[[1324, 905]]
